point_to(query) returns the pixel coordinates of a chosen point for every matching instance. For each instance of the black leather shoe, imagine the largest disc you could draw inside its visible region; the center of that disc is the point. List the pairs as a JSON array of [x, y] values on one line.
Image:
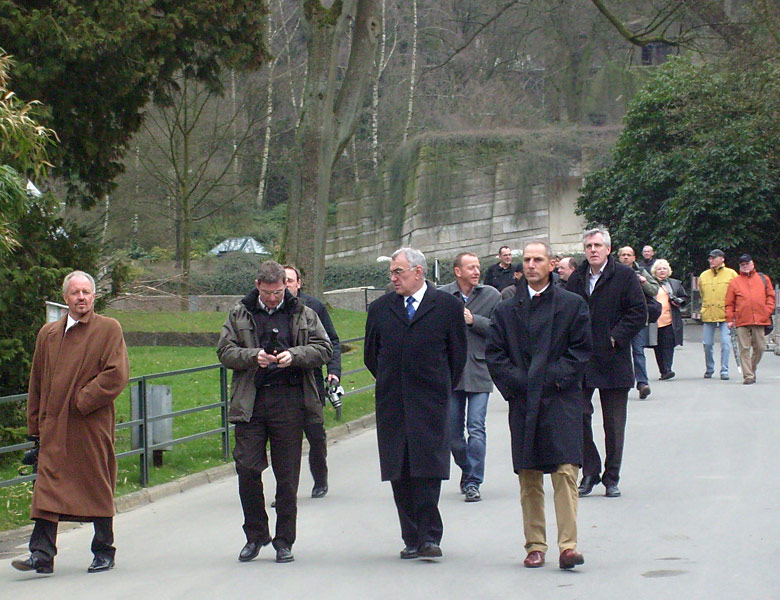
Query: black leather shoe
[[612, 491], [319, 491], [587, 484], [668, 375], [429, 550], [644, 391], [409, 552], [100, 564], [284, 555], [252, 549], [33, 563]]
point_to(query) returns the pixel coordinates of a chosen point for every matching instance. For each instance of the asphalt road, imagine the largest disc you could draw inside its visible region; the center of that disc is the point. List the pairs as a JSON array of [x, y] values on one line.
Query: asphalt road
[[699, 518]]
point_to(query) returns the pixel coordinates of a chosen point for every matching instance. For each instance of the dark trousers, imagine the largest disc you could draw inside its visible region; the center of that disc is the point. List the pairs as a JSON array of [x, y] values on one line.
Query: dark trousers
[[278, 418], [664, 351], [318, 452], [43, 541], [417, 501], [614, 407]]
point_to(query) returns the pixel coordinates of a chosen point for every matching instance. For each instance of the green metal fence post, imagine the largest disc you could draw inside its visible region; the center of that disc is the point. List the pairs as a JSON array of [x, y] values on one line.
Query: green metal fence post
[[223, 396], [142, 408]]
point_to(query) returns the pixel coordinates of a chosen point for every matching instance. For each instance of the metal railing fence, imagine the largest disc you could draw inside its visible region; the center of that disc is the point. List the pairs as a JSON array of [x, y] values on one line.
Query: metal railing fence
[[146, 448]]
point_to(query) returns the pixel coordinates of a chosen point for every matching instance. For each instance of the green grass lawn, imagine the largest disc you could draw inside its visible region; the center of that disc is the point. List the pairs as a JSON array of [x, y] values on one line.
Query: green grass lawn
[[188, 391]]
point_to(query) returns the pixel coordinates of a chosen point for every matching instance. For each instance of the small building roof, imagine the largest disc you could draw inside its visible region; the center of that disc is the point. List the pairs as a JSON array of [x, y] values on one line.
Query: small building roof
[[242, 244]]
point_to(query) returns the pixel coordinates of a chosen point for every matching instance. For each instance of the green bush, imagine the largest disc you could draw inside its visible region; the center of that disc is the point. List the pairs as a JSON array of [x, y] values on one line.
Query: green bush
[[233, 275]]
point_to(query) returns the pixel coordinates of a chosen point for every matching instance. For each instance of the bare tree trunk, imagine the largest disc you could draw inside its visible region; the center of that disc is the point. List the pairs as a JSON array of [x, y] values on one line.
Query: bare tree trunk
[[380, 66], [269, 99], [234, 129], [412, 72], [105, 221], [327, 124]]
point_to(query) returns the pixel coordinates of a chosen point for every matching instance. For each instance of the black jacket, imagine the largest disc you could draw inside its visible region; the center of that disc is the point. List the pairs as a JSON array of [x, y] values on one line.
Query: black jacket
[[538, 368], [334, 364], [677, 299], [416, 365], [617, 312], [499, 277]]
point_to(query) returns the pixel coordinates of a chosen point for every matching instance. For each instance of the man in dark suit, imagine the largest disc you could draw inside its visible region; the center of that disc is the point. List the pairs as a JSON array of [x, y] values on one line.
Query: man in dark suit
[[617, 313], [537, 349], [470, 397], [314, 427], [416, 349]]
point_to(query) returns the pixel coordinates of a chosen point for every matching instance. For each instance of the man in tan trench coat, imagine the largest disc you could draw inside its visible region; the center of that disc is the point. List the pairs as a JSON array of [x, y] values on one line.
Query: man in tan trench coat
[[79, 367]]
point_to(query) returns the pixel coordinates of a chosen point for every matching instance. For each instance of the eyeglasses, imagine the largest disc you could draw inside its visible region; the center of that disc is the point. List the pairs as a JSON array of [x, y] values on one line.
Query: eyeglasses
[[274, 293], [397, 272]]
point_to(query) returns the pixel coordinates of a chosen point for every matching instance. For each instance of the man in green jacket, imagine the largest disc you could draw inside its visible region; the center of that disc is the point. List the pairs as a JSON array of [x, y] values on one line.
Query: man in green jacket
[[273, 344]]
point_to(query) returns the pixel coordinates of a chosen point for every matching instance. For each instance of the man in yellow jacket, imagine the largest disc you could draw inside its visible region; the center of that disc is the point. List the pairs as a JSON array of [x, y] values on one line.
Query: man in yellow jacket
[[713, 284]]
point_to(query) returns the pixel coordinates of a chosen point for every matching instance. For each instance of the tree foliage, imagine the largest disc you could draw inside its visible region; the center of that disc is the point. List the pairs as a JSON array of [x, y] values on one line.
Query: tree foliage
[[95, 64], [696, 167]]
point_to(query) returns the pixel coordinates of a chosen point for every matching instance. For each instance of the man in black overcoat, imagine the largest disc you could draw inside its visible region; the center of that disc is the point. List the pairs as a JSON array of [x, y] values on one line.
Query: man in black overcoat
[[617, 313], [416, 349], [538, 346]]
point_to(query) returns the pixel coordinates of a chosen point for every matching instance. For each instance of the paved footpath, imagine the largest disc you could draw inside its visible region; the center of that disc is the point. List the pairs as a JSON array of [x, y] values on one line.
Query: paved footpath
[[699, 518]]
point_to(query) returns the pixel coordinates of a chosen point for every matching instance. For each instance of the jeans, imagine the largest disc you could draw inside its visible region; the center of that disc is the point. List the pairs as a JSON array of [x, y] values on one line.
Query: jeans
[[708, 338], [471, 408], [638, 344]]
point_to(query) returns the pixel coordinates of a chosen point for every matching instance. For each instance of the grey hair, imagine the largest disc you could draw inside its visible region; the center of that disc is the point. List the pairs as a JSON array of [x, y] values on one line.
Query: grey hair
[[604, 233], [547, 250], [661, 262], [415, 258], [71, 275], [270, 271]]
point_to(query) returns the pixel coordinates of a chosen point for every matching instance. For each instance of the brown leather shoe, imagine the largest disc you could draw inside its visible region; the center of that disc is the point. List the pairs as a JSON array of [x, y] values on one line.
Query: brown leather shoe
[[534, 560], [570, 558]]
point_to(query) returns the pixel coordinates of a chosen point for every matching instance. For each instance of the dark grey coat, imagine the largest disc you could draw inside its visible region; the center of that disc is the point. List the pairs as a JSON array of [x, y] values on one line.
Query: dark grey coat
[[617, 312], [416, 365], [481, 302], [540, 376]]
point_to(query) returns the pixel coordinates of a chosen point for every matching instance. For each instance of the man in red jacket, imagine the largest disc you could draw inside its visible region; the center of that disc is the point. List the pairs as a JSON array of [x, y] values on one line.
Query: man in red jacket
[[750, 302]]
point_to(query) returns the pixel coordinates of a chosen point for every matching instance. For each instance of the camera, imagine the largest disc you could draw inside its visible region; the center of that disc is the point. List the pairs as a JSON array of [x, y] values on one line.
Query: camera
[[335, 392], [30, 457]]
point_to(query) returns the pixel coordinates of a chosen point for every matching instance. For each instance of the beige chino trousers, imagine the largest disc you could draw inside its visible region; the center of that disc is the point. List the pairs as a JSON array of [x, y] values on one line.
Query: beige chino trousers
[[565, 497]]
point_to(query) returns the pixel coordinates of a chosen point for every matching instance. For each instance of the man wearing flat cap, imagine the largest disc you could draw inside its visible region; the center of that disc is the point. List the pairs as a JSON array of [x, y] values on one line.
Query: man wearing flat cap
[[750, 302], [713, 284]]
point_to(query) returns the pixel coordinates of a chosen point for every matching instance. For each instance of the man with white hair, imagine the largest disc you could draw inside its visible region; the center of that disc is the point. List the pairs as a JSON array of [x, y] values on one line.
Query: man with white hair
[[416, 349], [617, 313], [79, 368]]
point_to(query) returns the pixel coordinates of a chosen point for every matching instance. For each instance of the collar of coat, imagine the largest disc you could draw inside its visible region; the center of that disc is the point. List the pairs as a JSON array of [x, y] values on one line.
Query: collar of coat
[[584, 271], [428, 302]]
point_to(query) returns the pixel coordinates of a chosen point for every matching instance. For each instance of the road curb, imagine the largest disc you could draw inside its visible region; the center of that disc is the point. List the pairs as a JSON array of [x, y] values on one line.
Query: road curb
[[148, 495]]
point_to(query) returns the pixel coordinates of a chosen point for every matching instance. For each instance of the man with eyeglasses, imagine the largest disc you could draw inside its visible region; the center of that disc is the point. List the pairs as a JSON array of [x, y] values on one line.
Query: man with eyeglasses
[[416, 349], [273, 344]]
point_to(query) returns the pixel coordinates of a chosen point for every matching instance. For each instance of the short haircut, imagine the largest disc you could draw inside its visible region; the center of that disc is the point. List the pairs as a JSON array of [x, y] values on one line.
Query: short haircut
[[414, 257], [547, 250], [71, 275], [294, 268], [620, 250], [557, 257], [270, 272], [572, 264], [604, 233], [459, 258], [502, 247], [661, 262]]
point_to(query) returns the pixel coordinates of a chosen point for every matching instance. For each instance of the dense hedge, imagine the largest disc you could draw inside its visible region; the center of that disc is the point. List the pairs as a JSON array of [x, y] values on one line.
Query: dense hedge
[[237, 271]]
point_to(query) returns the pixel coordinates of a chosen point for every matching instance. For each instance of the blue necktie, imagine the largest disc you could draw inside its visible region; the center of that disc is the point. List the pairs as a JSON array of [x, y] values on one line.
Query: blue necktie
[[410, 307]]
